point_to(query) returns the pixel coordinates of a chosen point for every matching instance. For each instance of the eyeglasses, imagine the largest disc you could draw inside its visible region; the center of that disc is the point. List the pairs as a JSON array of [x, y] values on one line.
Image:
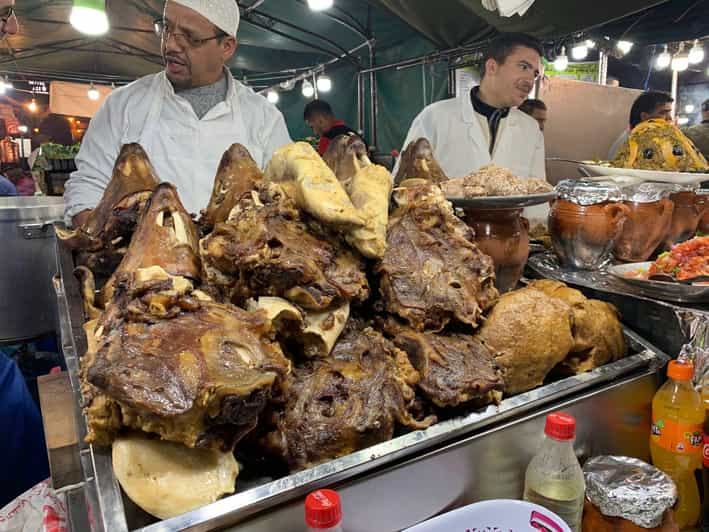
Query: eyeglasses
[[184, 40]]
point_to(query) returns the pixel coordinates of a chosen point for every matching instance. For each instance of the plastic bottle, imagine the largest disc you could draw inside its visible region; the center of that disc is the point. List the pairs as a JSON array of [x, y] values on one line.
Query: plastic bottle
[[554, 478], [323, 511], [676, 438]]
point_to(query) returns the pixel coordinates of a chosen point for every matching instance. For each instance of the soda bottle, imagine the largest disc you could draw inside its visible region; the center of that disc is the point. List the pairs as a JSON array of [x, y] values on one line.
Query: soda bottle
[[554, 478], [323, 511], [676, 438]]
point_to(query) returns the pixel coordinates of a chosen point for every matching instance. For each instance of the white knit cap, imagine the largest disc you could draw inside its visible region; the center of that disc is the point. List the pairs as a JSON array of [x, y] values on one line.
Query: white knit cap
[[224, 14]]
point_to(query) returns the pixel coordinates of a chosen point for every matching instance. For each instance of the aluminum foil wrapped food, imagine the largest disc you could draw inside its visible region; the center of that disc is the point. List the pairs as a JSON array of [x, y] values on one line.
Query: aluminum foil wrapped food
[[646, 192], [584, 192], [629, 488]]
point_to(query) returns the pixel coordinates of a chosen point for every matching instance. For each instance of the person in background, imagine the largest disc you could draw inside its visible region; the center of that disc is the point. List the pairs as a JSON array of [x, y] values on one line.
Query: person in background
[[184, 117], [23, 452], [651, 104], [7, 187], [699, 133], [320, 118], [537, 109], [23, 181]]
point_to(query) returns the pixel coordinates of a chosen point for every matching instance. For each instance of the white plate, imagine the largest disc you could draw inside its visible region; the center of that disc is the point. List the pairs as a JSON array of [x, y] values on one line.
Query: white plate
[[678, 178], [678, 292], [503, 202]]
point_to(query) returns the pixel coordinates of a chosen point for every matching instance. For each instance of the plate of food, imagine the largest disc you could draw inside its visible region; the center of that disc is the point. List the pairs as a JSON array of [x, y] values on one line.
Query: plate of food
[[495, 187], [656, 150], [681, 274]]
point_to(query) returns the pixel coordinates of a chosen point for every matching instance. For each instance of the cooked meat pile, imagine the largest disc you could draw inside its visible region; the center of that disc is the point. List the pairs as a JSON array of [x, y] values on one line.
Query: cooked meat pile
[[267, 249], [432, 272], [103, 240], [548, 326], [418, 162], [493, 180], [268, 321], [349, 401], [237, 175]]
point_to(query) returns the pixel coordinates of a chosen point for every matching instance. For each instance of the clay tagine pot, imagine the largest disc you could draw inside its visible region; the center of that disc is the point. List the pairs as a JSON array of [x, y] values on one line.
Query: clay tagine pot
[[503, 234], [689, 210]]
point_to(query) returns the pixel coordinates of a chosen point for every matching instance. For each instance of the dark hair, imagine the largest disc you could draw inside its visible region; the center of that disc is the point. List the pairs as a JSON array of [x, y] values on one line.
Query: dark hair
[[531, 104], [647, 103], [317, 107], [504, 44], [705, 106]]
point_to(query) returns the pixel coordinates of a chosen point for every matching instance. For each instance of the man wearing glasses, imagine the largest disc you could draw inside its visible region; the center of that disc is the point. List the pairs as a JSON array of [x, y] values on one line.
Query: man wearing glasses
[[484, 126], [185, 117]]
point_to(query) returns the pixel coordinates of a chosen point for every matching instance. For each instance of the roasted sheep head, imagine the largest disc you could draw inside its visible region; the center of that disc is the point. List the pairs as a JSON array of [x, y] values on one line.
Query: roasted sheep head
[[238, 173], [166, 359], [418, 162], [346, 155], [166, 236], [267, 249], [432, 273], [349, 401], [112, 222]]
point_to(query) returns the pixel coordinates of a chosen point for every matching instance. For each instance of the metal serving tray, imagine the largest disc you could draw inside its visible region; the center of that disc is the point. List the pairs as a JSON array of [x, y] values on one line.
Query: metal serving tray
[[104, 496]]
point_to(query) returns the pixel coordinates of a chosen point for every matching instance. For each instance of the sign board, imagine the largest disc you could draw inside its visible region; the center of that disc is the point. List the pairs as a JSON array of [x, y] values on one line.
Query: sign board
[[72, 98], [465, 79], [587, 71]]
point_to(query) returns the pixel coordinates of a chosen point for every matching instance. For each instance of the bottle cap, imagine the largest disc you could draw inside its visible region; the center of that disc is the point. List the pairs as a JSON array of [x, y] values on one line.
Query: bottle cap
[[679, 371], [560, 426], [323, 509]]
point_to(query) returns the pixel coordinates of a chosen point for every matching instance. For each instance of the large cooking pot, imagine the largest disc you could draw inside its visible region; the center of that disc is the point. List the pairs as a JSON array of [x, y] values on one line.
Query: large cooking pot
[[28, 263]]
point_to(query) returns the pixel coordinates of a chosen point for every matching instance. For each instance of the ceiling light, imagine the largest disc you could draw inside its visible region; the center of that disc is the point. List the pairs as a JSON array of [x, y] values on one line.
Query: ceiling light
[[590, 43], [93, 93], [683, 120], [689, 108], [696, 54], [625, 46], [22, 129], [272, 96], [319, 5], [680, 62], [287, 85], [663, 60], [32, 106], [307, 89], [89, 17], [562, 61], [324, 83], [579, 52]]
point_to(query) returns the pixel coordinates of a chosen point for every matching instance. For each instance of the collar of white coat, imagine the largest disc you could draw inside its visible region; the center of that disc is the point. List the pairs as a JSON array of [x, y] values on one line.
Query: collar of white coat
[[231, 101], [467, 112]]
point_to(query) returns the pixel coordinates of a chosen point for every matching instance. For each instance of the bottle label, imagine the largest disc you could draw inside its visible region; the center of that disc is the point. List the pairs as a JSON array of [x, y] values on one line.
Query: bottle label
[[678, 438], [705, 454]]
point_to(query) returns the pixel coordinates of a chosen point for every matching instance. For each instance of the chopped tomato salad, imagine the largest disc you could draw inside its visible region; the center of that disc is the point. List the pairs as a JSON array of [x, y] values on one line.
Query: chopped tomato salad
[[684, 261]]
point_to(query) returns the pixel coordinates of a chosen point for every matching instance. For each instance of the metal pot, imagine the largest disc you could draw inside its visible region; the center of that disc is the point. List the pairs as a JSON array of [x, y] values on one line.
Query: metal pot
[[27, 306]]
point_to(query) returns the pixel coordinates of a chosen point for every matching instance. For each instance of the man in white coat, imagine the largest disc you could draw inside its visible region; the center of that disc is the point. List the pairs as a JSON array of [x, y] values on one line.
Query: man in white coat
[[185, 117], [484, 126]]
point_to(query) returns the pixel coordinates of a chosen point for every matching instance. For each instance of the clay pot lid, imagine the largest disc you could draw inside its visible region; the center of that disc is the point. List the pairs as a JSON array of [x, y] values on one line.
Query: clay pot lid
[[646, 192], [586, 192]]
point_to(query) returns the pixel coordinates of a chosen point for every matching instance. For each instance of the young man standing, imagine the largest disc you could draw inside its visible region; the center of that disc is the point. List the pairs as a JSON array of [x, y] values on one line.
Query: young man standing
[[651, 104], [320, 118]]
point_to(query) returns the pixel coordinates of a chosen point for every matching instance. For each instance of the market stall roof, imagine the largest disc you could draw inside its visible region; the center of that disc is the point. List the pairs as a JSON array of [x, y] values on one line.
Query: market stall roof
[[281, 35]]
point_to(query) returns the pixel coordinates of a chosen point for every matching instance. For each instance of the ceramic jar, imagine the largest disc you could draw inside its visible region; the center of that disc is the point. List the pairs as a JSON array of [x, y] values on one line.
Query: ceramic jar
[[689, 210]]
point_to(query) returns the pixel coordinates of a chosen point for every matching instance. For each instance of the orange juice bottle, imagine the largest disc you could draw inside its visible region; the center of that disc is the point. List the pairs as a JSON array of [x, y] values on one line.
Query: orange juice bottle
[[676, 438]]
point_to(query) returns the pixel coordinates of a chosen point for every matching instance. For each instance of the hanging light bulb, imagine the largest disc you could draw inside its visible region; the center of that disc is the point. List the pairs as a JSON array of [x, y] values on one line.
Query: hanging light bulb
[[8, 84], [89, 17], [287, 85], [22, 129], [591, 44], [689, 108], [93, 93], [324, 83], [663, 60], [579, 52], [625, 46], [680, 62], [32, 106], [561, 62], [307, 89], [272, 96], [319, 5], [696, 54]]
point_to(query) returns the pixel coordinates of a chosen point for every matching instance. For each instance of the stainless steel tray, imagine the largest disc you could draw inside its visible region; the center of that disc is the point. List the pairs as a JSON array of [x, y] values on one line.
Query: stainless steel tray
[[105, 499], [678, 292], [503, 202]]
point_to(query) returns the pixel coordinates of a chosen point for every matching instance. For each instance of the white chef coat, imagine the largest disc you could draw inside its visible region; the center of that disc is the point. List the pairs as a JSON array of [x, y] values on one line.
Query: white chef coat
[[461, 145], [183, 149]]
